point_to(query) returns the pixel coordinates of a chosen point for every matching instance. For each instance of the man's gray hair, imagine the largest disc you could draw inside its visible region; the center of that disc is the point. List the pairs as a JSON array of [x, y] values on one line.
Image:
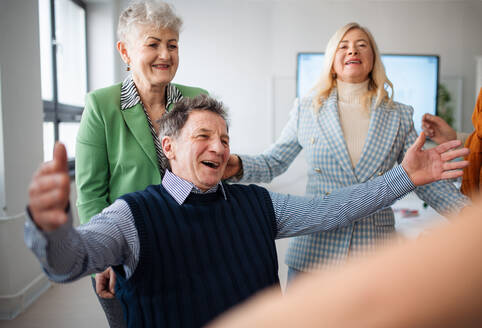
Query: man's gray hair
[[172, 123], [148, 12]]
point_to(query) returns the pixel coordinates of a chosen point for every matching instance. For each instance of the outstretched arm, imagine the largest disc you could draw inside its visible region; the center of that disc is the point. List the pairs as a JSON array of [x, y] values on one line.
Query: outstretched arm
[[64, 252], [299, 215], [302, 215]]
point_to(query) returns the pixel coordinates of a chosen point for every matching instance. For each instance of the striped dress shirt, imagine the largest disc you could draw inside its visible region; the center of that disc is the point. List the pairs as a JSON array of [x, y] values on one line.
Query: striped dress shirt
[[111, 238]]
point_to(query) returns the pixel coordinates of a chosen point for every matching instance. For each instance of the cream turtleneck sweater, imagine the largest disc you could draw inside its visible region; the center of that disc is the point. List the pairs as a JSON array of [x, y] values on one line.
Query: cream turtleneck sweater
[[354, 117]]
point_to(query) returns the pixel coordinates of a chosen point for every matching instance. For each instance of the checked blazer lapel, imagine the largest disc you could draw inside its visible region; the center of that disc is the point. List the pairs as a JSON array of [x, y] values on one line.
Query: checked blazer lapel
[[136, 121], [382, 131], [330, 128]]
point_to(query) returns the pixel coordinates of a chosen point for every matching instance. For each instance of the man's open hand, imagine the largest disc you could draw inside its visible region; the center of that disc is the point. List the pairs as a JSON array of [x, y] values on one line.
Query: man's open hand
[[430, 165]]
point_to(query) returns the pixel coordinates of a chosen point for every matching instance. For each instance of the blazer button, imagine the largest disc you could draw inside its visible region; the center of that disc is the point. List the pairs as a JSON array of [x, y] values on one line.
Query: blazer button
[[317, 170], [380, 173], [327, 193], [312, 140]]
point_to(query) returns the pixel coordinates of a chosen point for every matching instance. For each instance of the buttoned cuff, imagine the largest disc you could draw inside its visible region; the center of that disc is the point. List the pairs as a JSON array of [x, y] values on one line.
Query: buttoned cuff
[[39, 241]]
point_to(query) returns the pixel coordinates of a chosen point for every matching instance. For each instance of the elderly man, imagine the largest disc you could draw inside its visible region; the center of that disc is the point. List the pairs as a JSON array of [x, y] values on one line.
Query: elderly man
[[190, 248]]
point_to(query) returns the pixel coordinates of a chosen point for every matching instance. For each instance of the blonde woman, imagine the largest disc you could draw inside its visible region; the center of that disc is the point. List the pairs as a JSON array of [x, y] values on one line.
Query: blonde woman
[[351, 131]]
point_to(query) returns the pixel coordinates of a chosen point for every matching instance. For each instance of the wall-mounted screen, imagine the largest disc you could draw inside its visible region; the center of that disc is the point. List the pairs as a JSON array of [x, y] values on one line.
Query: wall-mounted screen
[[414, 78]]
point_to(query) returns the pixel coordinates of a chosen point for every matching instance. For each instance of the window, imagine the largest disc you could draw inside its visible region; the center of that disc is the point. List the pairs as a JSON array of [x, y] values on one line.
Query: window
[[63, 53]]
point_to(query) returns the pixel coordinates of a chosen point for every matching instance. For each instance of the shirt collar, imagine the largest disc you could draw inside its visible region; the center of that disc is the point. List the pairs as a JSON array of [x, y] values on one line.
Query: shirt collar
[[180, 189], [130, 97]]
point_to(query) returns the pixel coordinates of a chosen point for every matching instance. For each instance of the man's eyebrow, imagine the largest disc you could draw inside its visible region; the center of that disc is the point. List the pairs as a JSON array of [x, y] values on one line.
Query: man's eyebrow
[[202, 130]]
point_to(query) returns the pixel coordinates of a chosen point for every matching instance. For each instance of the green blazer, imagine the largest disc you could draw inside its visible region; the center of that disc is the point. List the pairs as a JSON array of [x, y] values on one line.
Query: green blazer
[[115, 153]]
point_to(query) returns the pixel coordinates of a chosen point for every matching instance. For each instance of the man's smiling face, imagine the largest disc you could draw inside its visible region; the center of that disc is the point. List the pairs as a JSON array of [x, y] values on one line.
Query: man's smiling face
[[201, 151]]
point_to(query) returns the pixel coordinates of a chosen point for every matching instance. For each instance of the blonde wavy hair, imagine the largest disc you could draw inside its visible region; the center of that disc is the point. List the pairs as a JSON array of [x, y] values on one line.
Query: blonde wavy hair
[[378, 77]]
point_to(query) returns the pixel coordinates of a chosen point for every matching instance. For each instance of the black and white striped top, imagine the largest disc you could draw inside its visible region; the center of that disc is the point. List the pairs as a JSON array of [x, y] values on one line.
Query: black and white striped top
[[130, 97]]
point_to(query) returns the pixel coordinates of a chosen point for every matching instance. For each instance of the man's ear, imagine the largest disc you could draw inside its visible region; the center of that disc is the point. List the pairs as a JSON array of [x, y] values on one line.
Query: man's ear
[[168, 147], [122, 49]]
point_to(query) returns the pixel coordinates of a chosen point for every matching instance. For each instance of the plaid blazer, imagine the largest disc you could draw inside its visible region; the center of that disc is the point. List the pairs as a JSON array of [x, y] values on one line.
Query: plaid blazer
[[390, 134]]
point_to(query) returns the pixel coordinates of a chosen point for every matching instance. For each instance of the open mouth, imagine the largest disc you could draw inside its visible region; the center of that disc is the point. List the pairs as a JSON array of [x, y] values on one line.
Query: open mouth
[[353, 62], [213, 165]]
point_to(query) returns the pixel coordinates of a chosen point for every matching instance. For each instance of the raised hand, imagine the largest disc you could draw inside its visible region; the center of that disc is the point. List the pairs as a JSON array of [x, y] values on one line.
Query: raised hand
[[437, 129], [430, 165], [233, 166], [105, 283], [49, 191]]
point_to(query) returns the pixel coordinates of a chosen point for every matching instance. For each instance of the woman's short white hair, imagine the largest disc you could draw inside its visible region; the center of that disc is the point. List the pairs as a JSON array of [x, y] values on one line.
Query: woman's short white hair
[[378, 78], [149, 12]]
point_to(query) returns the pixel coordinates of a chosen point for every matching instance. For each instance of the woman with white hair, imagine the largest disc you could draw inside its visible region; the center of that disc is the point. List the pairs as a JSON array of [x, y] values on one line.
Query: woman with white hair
[[118, 150], [351, 131]]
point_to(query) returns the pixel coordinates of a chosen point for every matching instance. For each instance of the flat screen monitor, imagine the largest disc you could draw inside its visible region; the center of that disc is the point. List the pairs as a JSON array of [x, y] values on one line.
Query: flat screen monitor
[[414, 78]]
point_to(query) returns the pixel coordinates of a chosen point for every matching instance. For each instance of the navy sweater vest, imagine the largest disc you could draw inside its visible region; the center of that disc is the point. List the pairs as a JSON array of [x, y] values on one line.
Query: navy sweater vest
[[199, 259]]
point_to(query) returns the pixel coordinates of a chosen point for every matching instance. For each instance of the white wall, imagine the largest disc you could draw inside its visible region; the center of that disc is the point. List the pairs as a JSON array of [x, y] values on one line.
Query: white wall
[[21, 151], [21, 116], [224, 48], [102, 55]]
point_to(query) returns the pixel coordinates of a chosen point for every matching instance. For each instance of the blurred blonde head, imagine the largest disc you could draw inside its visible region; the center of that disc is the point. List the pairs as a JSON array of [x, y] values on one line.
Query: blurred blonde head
[[377, 77]]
